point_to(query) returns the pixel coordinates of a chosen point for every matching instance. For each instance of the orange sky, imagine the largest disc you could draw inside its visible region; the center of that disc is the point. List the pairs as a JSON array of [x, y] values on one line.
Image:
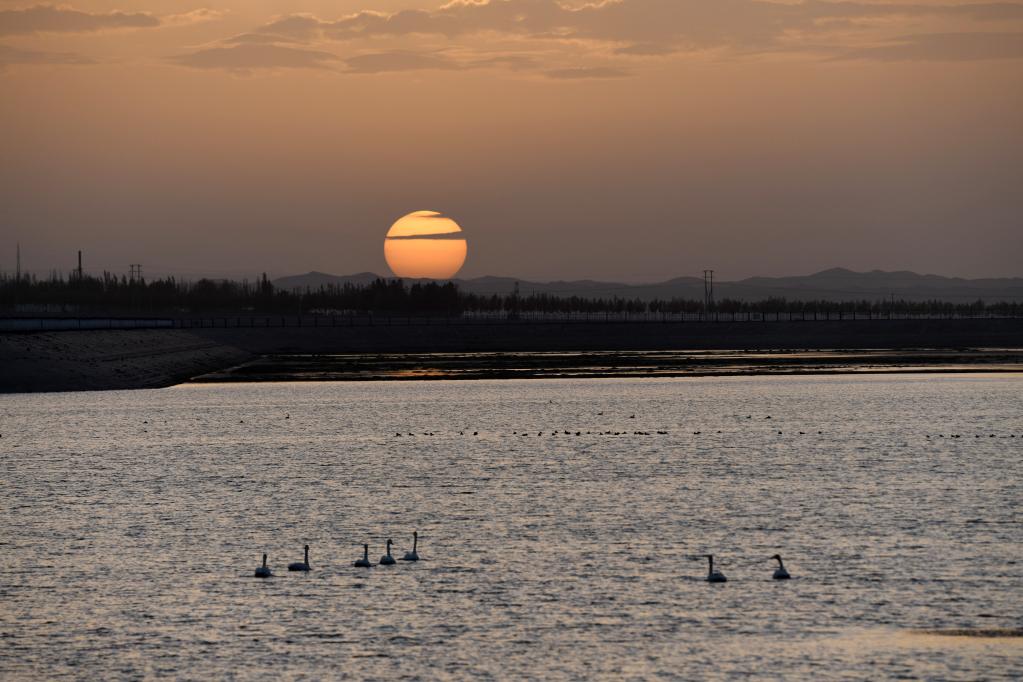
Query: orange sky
[[631, 139]]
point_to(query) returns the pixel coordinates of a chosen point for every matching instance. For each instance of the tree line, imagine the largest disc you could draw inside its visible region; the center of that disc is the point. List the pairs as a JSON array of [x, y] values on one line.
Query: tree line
[[112, 294]]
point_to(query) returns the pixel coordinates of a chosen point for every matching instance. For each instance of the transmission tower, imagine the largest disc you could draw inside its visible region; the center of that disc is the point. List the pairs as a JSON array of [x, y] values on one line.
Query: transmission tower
[[136, 272], [708, 289]]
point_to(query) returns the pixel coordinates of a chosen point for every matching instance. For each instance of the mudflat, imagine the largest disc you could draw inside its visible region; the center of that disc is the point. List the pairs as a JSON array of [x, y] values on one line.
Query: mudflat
[[596, 364]]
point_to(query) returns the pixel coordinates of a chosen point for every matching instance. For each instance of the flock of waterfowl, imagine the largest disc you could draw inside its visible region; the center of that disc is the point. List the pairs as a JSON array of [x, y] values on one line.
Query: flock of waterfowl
[[716, 576], [387, 559], [625, 432], [263, 571]]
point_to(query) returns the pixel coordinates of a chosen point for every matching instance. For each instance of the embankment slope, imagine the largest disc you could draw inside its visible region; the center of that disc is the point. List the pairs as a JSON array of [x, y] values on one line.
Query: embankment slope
[[102, 360]]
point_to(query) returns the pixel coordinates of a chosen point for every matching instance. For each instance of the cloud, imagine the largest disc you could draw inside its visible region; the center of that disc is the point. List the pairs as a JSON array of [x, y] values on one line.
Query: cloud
[[644, 50], [562, 41], [298, 26], [196, 16], [399, 60], [585, 73], [15, 55], [52, 19], [247, 57], [258, 39], [944, 47], [656, 24]]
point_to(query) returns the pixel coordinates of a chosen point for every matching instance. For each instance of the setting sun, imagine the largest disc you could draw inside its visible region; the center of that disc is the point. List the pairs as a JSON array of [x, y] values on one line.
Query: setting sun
[[425, 244]]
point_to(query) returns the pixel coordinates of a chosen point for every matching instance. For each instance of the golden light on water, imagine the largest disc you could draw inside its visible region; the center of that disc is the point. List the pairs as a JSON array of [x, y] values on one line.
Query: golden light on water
[[425, 244]]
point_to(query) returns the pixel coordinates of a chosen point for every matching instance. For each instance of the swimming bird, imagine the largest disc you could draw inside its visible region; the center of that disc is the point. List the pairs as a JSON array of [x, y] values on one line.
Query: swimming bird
[[263, 571], [780, 573], [387, 559], [712, 575], [413, 555], [364, 561], [301, 565]]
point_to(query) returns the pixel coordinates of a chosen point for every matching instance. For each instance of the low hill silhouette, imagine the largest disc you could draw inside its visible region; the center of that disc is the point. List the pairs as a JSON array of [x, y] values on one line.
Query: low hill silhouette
[[835, 284]]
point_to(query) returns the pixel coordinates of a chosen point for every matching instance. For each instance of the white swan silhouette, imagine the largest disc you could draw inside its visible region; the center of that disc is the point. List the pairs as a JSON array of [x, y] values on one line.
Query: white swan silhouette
[[413, 555], [387, 559], [263, 571], [301, 565]]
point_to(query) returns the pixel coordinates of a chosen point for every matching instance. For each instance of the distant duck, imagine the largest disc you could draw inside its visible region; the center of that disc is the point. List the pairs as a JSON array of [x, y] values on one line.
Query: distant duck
[[413, 555], [301, 565], [780, 573], [263, 571], [364, 561], [712, 575], [387, 559]]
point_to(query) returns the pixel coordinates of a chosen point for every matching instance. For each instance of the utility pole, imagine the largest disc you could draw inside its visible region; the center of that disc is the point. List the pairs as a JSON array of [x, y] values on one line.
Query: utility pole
[[515, 303], [79, 265], [17, 275], [708, 290], [136, 271]]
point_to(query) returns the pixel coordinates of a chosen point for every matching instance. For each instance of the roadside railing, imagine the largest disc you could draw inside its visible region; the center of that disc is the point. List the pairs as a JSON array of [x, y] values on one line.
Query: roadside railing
[[54, 324]]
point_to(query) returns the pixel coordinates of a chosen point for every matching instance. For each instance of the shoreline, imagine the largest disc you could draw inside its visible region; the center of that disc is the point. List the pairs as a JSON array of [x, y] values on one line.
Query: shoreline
[[90, 360], [597, 365]]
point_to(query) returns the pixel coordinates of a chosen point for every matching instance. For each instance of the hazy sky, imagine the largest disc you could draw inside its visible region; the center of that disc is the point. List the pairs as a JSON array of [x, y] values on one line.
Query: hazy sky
[[621, 139]]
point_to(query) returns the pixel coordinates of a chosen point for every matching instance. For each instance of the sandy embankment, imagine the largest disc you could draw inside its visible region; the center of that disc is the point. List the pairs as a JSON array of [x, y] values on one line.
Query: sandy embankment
[[100, 360]]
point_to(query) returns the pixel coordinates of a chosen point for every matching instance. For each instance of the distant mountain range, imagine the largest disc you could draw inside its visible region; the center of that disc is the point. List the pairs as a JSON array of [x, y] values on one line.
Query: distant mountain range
[[836, 284]]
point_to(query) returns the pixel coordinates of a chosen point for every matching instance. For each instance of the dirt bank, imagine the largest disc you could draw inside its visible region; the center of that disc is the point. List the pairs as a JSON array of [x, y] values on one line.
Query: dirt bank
[[99, 360]]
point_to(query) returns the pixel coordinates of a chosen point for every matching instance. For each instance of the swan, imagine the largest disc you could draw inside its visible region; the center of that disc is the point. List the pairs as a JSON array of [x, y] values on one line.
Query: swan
[[413, 555], [301, 565], [263, 571], [364, 561], [387, 559], [712, 575], [780, 573]]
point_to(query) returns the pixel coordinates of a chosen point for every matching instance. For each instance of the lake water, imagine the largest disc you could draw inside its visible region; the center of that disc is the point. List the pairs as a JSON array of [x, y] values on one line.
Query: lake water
[[133, 521]]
